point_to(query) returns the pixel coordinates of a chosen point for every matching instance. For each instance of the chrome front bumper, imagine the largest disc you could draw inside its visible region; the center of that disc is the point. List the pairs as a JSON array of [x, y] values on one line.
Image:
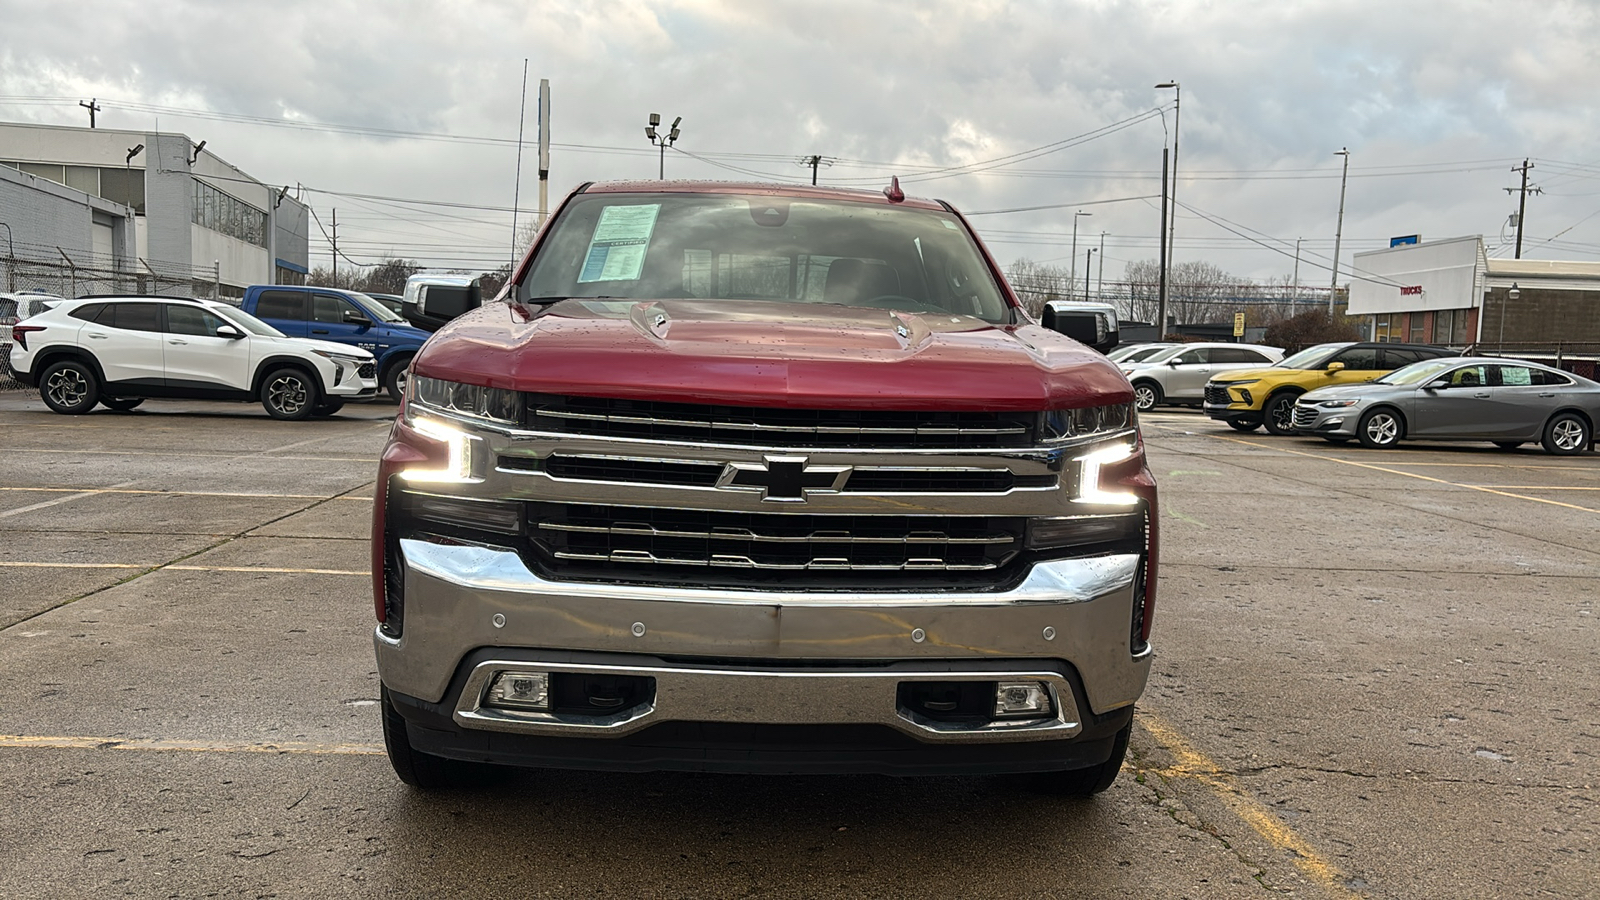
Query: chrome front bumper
[[463, 598]]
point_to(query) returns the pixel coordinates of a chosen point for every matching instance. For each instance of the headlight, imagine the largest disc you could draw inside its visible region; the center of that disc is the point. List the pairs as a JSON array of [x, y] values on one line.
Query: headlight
[[344, 358], [458, 465], [1090, 487], [1337, 404], [1063, 424], [491, 404], [1234, 384]]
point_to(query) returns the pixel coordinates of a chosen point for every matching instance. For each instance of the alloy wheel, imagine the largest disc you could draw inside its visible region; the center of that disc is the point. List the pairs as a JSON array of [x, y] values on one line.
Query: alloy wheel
[[288, 394], [1383, 428], [1568, 434], [68, 387]]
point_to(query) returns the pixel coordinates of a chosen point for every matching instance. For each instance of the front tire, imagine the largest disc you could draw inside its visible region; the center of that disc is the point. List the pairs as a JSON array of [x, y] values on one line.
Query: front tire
[[288, 393], [395, 378], [1279, 414], [1567, 434], [1146, 395], [1244, 424], [121, 404], [1381, 429], [69, 387]]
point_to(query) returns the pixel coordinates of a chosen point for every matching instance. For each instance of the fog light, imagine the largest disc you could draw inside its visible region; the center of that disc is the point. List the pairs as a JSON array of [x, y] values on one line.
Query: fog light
[[1021, 700], [519, 690]]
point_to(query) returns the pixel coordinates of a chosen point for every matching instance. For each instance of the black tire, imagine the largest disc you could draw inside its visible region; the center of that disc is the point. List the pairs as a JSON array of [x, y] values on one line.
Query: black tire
[[1146, 395], [69, 387], [1381, 428], [1278, 414], [1244, 424], [395, 377], [418, 769], [328, 407], [1508, 445], [1085, 782], [1567, 434], [289, 393], [121, 404]]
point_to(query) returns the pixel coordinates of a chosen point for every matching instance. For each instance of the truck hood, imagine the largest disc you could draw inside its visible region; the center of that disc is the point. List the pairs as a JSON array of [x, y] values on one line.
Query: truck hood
[[772, 354]]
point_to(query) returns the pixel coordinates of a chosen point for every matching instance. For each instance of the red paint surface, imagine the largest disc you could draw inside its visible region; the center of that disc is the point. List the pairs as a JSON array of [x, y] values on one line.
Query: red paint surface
[[771, 354]]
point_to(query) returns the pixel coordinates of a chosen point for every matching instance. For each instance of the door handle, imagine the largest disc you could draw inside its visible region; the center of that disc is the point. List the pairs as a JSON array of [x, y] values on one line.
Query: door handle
[[1547, 395], [319, 331], [1481, 396], [98, 337], [175, 341]]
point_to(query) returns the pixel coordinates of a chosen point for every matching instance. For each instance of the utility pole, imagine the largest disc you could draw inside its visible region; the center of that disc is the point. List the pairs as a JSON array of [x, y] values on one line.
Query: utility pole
[[1100, 278], [1294, 294], [335, 240], [93, 106], [813, 161], [1522, 204], [1338, 234], [1177, 122], [1161, 238], [1072, 277], [1088, 260], [544, 150], [516, 188]]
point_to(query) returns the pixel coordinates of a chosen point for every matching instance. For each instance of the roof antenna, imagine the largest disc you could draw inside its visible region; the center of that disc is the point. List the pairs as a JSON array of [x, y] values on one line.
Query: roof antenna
[[893, 191]]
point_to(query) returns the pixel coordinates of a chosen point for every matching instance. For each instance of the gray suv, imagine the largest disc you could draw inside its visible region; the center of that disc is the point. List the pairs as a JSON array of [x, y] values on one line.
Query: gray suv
[[1178, 375]]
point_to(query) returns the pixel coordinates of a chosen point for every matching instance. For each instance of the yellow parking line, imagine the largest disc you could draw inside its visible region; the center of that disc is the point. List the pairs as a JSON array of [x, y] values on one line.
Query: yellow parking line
[[1362, 465], [230, 494], [72, 565], [69, 742], [1532, 487], [1194, 765]]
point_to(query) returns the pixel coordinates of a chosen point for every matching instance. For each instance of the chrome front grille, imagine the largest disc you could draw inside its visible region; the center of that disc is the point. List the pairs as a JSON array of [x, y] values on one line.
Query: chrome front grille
[[698, 423], [1304, 415], [675, 473], [647, 544]]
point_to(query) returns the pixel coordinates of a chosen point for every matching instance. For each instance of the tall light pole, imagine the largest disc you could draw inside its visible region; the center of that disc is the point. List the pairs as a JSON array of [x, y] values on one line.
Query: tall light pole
[[1100, 278], [1177, 114], [1294, 295], [1072, 277], [1338, 234], [662, 140], [1088, 260]]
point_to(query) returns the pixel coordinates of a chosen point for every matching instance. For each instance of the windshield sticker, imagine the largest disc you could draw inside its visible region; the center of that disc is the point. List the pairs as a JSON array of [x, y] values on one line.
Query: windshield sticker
[[949, 224], [616, 252]]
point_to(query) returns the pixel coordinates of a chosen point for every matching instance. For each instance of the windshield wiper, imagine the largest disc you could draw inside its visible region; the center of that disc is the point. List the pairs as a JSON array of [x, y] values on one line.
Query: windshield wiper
[[559, 299]]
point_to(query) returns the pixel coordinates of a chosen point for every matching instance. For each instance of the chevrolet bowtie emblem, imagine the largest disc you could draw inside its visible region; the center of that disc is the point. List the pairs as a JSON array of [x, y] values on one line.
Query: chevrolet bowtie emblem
[[784, 478]]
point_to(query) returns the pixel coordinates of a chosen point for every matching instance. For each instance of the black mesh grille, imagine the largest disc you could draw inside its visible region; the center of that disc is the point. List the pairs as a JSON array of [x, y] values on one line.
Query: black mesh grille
[[632, 471], [367, 370], [651, 419], [1216, 393]]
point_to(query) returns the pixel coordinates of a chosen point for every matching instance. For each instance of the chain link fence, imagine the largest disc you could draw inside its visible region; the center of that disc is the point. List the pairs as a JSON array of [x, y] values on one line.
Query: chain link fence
[[30, 274]]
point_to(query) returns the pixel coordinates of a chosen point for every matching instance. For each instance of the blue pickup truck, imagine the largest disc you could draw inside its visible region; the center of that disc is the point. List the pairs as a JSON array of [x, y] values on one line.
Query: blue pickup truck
[[348, 317]]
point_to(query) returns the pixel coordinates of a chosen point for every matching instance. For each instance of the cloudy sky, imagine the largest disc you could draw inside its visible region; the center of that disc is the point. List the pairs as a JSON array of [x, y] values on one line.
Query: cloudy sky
[[991, 105]]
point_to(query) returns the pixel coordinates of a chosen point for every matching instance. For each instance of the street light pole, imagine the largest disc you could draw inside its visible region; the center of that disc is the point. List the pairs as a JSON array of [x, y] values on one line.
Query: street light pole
[[1338, 234], [662, 140], [1088, 260], [1072, 277], [1294, 295], [11, 260], [1100, 277], [1177, 120]]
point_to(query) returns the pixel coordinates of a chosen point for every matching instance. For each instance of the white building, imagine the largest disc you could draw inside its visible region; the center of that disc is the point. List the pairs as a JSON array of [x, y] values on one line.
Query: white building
[[196, 221], [1451, 292]]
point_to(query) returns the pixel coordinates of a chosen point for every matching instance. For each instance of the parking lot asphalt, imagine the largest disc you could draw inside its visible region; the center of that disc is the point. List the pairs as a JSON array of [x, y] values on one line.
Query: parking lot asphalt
[[1374, 678]]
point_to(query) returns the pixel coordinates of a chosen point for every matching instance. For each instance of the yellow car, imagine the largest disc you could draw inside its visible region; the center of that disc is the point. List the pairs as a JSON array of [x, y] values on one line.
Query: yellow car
[[1248, 398]]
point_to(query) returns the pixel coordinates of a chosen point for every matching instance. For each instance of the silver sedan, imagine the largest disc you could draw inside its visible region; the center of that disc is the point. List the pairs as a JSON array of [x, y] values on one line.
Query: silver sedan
[[1506, 402]]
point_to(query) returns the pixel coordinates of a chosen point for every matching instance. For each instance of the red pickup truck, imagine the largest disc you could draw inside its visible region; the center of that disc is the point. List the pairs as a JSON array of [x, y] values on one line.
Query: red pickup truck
[[758, 478]]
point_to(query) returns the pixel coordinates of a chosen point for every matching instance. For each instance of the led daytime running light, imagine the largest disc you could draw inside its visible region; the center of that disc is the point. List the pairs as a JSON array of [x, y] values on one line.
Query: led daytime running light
[[458, 462], [1089, 487]]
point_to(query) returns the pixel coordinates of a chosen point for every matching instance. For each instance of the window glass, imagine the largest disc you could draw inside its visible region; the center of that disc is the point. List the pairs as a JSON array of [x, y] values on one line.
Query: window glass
[[136, 316], [246, 321], [1193, 357], [1469, 376], [1547, 378], [1395, 357], [1419, 331], [716, 246], [1515, 376], [1359, 359], [1236, 355], [125, 186], [1311, 357], [184, 319], [327, 309], [87, 312], [1415, 374], [289, 305]]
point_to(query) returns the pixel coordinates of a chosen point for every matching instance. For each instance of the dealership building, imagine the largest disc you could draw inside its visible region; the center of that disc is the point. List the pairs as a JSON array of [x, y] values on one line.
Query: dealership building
[[93, 210], [1451, 292]]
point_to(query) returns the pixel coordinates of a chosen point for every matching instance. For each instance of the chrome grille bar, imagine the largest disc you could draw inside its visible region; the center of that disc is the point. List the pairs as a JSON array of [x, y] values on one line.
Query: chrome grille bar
[[644, 530], [830, 564], [727, 425]]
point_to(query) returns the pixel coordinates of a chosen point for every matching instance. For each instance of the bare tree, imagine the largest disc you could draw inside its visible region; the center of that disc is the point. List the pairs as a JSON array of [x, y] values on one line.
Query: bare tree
[[1037, 283]]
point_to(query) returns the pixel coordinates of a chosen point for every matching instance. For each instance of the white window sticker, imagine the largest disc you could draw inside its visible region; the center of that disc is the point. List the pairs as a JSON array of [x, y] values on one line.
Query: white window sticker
[[616, 252]]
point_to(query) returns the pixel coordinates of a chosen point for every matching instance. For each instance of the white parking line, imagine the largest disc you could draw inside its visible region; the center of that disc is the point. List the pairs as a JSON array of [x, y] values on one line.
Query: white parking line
[[229, 494], [42, 504]]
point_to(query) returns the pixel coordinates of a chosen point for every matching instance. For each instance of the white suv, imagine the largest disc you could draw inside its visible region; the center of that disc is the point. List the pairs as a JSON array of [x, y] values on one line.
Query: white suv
[[1178, 374], [119, 351]]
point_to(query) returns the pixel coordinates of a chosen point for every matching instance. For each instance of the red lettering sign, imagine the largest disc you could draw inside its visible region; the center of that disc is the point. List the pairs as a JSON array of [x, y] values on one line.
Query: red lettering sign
[[1414, 290]]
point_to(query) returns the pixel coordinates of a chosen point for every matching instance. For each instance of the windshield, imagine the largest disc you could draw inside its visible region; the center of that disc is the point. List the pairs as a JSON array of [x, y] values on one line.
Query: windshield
[[1161, 354], [1134, 354], [734, 247], [1416, 372], [1311, 357], [244, 320], [377, 310]]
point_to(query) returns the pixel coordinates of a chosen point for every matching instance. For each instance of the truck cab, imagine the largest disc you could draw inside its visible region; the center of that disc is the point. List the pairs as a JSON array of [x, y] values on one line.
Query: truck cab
[[345, 317]]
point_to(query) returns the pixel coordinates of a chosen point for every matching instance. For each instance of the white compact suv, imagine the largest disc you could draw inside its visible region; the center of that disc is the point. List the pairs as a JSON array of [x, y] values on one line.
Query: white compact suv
[[1178, 375], [120, 351]]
